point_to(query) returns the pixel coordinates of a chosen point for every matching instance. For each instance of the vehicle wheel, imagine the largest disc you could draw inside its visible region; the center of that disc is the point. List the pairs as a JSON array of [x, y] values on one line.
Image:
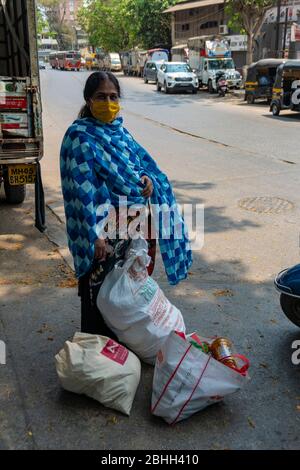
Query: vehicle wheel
[[291, 308], [158, 86], [145, 80], [275, 109], [250, 99], [167, 90], [210, 87], [14, 194]]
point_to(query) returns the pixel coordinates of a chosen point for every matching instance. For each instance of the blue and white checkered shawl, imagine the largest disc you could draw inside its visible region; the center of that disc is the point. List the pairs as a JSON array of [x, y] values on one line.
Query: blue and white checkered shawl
[[100, 163]]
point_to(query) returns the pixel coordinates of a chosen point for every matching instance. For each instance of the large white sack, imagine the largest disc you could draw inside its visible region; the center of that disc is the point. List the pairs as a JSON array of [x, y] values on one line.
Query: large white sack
[[186, 380], [100, 368], [135, 308]]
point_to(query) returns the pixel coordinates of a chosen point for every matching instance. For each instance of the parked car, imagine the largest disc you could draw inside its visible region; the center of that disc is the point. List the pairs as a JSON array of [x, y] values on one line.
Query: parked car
[[150, 71], [177, 76], [42, 65]]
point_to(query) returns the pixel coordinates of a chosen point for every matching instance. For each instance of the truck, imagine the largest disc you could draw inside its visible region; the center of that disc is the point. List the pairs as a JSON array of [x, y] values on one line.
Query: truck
[[21, 133], [180, 53], [210, 55], [133, 62], [114, 62]]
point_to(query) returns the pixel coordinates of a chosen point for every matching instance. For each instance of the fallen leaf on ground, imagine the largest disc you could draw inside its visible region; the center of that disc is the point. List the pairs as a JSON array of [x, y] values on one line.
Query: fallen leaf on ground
[[251, 423], [223, 293], [68, 283], [111, 420], [265, 366], [50, 338]]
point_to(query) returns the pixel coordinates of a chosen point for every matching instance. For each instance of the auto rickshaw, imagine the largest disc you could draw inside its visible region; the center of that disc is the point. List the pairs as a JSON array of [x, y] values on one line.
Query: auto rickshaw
[[286, 90], [260, 80]]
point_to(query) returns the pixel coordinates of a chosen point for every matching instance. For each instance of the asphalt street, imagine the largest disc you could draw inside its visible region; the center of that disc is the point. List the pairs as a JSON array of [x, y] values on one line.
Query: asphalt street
[[242, 164]]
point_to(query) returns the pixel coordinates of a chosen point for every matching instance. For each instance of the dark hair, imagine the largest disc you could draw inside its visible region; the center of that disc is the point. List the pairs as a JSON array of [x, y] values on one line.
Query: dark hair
[[92, 85]]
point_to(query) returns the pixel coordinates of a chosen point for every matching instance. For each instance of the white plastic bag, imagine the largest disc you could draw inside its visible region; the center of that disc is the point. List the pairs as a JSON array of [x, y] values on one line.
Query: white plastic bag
[[100, 368], [186, 380], [135, 308]]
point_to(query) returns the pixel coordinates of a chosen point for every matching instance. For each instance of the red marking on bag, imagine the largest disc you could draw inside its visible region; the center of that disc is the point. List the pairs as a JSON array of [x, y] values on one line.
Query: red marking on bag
[[115, 352]]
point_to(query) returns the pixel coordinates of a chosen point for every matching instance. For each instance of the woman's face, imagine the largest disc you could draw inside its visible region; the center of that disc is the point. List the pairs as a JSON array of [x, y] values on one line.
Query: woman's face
[[106, 92]]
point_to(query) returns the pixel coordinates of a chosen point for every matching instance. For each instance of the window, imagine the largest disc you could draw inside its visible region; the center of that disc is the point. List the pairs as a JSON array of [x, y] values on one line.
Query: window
[[209, 25], [178, 68], [185, 27], [71, 6]]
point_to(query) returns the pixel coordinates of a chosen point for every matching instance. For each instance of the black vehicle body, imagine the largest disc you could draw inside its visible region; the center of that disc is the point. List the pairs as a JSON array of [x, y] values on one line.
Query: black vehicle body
[[260, 79], [286, 90]]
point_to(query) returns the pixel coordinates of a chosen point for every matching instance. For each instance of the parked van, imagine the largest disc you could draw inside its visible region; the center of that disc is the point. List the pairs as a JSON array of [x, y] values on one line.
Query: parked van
[[112, 62]]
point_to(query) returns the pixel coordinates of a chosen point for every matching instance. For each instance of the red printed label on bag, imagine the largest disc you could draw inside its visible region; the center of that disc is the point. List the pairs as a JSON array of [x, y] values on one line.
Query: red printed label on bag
[[115, 352]]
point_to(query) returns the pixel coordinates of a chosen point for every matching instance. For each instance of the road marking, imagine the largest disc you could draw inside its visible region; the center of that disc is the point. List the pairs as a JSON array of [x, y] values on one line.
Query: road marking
[[211, 141]]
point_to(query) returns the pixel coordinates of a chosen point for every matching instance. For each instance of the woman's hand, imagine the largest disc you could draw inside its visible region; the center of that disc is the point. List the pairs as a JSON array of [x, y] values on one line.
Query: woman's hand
[[148, 190], [100, 249]]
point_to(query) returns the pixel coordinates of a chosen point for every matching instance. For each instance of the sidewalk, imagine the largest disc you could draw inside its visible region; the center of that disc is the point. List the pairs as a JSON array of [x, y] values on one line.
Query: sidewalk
[[39, 311]]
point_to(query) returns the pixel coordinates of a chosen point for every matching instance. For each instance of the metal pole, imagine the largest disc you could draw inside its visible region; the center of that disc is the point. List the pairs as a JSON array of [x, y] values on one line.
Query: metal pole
[[278, 28], [285, 32]]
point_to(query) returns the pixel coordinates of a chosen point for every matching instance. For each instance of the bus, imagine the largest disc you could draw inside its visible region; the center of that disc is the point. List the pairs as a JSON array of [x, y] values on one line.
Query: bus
[[65, 60]]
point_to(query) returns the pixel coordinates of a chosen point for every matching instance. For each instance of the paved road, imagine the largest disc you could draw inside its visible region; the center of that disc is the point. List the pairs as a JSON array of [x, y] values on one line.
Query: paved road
[[217, 152]]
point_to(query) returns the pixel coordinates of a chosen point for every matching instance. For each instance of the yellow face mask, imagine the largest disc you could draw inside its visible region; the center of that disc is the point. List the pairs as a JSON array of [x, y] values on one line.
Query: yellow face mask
[[105, 111]]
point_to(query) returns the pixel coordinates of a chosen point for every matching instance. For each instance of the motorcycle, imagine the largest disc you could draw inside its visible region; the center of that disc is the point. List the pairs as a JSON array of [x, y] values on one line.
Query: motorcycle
[[222, 84], [287, 282]]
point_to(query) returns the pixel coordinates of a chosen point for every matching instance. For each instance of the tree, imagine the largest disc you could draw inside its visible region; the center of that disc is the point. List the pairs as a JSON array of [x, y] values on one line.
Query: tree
[[151, 26], [107, 24], [55, 11], [122, 24], [248, 16], [42, 23]]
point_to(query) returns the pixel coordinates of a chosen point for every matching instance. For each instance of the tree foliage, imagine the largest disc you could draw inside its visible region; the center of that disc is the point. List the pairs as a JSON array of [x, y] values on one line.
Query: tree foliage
[[248, 16], [121, 24], [56, 21]]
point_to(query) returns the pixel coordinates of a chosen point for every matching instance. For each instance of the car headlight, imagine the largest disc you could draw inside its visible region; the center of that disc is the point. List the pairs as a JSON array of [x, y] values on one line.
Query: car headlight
[[169, 78]]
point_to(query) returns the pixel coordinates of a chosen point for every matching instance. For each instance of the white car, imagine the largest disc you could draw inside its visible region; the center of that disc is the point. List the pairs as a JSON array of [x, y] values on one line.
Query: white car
[[173, 76]]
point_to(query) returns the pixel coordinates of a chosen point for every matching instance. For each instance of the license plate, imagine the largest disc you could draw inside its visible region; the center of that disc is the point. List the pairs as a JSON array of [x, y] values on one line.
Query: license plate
[[184, 84], [21, 174]]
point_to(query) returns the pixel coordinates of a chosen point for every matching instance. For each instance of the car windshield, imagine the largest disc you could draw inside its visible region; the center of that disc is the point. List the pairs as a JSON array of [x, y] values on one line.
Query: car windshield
[[221, 64], [115, 61], [178, 68]]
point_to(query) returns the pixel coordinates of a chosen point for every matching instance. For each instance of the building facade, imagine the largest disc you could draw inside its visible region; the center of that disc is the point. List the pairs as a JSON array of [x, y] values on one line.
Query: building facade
[[203, 18], [207, 17], [69, 9], [275, 38], [196, 18]]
